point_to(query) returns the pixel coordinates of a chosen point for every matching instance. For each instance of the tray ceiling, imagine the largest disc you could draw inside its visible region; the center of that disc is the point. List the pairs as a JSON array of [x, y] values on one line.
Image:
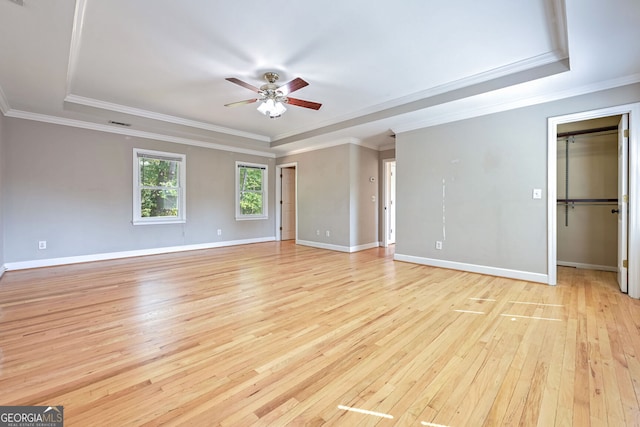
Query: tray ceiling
[[160, 65]]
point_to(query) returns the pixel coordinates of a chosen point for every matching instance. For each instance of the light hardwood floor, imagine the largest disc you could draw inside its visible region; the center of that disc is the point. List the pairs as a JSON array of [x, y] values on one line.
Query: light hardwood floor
[[278, 334]]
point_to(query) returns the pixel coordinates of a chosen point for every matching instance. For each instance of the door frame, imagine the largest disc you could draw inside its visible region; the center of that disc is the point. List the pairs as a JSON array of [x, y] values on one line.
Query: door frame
[[386, 163], [623, 191], [279, 168], [633, 230]]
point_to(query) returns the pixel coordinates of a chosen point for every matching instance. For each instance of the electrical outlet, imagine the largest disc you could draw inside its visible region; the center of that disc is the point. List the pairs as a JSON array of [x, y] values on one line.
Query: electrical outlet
[[317, 232], [328, 233], [438, 245], [42, 244], [219, 232]]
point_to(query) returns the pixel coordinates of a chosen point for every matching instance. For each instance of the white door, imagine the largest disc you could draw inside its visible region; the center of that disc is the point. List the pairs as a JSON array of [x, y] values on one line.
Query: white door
[[391, 237], [389, 202], [288, 204], [623, 173]]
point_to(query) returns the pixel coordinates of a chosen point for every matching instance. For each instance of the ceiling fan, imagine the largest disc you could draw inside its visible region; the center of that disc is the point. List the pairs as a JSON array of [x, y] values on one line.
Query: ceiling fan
[[273, 97]]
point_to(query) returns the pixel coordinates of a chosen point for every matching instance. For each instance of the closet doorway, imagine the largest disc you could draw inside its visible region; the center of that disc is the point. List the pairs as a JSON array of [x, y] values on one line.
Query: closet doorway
[[286, 197], [587, 194], [602, 201]]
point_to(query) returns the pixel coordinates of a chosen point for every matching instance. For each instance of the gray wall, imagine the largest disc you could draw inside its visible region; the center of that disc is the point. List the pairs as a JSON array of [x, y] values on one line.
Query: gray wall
[[2, 171], [364, 195], [334, 194], [489, 166], [73, 188], [323, 194]]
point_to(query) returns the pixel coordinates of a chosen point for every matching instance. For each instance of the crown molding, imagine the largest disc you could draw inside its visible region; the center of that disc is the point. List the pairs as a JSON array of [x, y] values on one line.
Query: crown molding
[[132, 132], [493, 74], [96, 103], [388, 109], [322, 146], [365, 144], [74, 53], [337, 142], [525, 102], [385, 147]]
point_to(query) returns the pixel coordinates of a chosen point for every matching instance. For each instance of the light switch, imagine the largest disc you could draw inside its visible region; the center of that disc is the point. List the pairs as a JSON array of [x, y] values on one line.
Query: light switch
[[537, 193]]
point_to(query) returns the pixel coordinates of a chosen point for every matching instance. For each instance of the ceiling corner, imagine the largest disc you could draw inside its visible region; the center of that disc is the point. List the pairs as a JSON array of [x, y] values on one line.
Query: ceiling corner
[[559, 31], [4, 104], [74, 48]]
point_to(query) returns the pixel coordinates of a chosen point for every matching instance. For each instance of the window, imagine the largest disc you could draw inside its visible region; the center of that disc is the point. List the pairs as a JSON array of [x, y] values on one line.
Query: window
[[251, 193], [158, 187]]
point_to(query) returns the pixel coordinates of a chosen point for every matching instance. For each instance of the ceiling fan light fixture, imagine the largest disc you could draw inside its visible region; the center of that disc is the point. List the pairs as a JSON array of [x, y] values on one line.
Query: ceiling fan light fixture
[[272, 108], [271, 97]]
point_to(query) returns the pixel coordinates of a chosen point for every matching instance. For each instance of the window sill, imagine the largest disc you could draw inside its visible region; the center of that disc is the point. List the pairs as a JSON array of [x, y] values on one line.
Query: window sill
[[250, 218], [159, 222]]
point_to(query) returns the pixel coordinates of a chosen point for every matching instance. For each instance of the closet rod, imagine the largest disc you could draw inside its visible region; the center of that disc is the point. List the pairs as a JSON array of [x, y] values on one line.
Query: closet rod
[[585, 131], [587, 200], [573, 205]]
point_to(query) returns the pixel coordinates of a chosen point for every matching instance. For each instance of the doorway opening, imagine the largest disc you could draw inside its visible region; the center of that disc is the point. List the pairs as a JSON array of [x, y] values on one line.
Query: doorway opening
[[592, 179], [589, 179], [389, 203], [286, 202]]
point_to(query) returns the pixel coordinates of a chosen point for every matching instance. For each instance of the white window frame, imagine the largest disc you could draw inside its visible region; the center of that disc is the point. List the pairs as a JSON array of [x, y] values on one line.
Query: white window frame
[[138, 219], [265, 192]]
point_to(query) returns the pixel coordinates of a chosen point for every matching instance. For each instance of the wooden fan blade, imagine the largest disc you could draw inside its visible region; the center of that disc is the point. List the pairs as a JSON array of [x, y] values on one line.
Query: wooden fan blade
[[239, 103], [293, 85], [243, 84], [303, 103]]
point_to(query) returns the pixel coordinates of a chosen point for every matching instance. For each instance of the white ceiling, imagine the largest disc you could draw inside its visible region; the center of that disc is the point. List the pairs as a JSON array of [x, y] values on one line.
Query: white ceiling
[[377, 67]]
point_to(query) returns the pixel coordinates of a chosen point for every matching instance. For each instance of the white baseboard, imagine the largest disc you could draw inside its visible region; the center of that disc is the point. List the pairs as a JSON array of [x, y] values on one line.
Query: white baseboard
[[364, 247], [128, 254], [473, 268], [2, 270], [587, 266], [321, 245], [338, 248]]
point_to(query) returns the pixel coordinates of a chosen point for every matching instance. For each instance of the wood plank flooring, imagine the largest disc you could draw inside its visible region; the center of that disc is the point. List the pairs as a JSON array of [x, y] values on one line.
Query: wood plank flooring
[[275, 334]]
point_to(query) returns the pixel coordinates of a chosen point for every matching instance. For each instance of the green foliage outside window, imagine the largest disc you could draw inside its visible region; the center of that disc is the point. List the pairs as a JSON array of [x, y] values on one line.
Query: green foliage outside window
[[158, 187], [251, 191]]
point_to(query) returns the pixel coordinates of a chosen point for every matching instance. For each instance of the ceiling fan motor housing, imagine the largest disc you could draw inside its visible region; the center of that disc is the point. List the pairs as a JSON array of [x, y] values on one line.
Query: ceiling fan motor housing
[[270, 90], [271, 77]]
